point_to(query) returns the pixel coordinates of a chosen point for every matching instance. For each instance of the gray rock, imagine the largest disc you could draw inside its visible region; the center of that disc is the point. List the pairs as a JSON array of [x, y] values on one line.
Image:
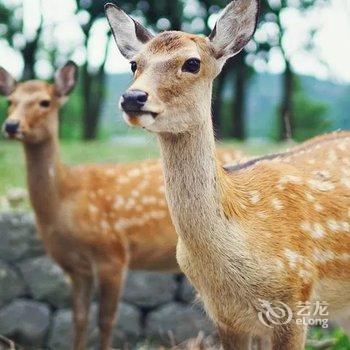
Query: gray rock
[[128, 330], [178, 322], [11, 283], [46, 281], [187, 293], [62, 330], [18, 238], [25, 321], [149, 289]]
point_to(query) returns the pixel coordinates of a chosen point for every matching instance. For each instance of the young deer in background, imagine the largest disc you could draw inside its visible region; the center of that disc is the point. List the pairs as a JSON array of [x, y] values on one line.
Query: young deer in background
[[95, 221], [275, 229]]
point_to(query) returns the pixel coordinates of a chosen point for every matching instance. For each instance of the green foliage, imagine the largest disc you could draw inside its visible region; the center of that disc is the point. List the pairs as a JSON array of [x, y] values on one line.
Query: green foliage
[[309, 117], [71, 116], [3, 109], [342, 342]]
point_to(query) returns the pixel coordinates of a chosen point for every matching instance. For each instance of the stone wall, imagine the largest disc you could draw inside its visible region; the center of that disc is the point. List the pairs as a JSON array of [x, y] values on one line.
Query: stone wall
[[35, 298]]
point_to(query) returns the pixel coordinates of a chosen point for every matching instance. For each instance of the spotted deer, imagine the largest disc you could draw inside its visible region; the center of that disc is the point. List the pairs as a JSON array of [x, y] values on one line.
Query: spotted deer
[[95, 220], [273, 230]]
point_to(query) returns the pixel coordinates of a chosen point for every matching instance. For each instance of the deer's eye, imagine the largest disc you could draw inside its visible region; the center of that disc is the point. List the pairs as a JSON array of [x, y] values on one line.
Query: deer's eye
[[133, 66], [192, 65], [45, 103], [9, 103]]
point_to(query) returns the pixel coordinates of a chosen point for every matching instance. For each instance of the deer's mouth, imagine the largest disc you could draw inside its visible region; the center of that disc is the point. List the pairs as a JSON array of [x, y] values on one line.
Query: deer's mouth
[[142, 119], [14, 135], [138, 114]]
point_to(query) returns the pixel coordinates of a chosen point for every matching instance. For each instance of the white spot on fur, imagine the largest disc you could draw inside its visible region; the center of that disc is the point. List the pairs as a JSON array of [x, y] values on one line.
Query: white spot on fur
[[292, 257], [323, 256], [277, 204], [110, 172], [345, 226], [321, 185], [123, 180], [316, 229], [254, 197], [346, 182], [130, 204], [310, 197], [319, 207], [279, 264], [149, 200], [288, 179], [134, 172], [305, 275], [104, 225], [333, 225], [332, 156], [119, 202], [135, 193], [93, 209]]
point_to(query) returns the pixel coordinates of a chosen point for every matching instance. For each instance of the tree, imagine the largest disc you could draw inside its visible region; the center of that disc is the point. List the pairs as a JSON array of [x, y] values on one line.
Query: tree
[[273, 13]]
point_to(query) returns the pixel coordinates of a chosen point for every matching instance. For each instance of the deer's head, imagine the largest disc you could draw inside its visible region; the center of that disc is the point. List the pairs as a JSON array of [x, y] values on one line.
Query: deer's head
[[174, 71], [33, 105]]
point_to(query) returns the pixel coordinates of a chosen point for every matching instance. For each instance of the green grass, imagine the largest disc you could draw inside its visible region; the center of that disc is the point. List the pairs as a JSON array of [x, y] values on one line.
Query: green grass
[[12, 165]]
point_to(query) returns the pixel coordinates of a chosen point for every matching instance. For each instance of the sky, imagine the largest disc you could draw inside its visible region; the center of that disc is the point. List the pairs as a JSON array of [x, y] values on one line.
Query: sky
[[62, 28]]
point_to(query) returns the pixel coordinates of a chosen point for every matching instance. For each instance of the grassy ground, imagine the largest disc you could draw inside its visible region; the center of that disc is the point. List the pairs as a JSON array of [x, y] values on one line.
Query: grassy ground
[[12, 170]]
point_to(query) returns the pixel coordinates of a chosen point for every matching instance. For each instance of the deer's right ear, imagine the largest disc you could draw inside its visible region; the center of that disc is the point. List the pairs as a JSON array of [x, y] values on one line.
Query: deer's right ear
[[7, 82], [66, 78], [129, 35], [234, 28]]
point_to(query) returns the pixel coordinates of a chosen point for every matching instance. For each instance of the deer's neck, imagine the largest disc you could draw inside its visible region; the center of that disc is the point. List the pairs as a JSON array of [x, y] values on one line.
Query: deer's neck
[[43, 177], [191, 178]]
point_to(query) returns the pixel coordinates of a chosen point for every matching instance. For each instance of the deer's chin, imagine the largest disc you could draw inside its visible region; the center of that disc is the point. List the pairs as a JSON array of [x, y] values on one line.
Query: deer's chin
[[140, 119], [14, 136]]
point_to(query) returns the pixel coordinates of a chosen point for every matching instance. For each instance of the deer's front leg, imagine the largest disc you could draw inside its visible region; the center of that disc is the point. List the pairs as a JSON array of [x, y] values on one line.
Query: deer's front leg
[[289, 337], [234, 341], [82, 287], [110, 285]]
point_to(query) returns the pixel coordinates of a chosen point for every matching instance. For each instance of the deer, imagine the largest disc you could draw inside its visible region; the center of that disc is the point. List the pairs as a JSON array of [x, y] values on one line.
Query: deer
[[96, 221], [272, 230]]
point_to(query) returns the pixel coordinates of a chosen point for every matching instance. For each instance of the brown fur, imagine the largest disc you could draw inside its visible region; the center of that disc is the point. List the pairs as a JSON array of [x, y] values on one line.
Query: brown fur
[[95, 220]]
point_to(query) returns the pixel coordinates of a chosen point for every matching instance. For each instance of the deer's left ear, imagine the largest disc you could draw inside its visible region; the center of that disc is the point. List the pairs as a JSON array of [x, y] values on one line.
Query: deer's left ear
[[129, 34], [66, 78], [7, 82], [234, 28]]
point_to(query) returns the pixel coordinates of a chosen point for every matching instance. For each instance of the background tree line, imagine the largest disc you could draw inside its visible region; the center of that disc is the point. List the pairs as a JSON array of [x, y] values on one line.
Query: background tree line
[[229, 115]]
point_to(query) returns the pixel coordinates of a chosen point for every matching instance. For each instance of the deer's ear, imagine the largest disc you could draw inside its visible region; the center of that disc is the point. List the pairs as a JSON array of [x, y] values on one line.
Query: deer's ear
[[66, 78], [234, 28], [7, 82], [129, 35]]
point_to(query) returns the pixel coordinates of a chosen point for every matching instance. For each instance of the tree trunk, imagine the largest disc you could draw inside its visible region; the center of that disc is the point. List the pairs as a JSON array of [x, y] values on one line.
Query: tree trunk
[[286, 113], [240, 87], [29, 54], [218, 98]]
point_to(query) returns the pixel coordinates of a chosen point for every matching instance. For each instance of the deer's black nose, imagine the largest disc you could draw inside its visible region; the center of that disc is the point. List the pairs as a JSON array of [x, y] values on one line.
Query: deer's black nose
[[11, 127], [133, 100]]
